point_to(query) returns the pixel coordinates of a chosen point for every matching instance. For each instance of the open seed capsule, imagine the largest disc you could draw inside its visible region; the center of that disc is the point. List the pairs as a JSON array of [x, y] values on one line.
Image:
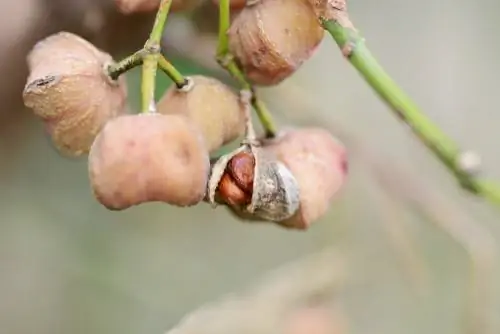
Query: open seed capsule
[[274, 194]]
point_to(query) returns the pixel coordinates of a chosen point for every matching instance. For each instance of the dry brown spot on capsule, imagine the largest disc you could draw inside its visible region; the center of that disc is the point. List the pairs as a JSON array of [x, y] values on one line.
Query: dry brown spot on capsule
[[148, 158], [143, 6], [210, 104], [68, 88], [319, 163], [272, 38]]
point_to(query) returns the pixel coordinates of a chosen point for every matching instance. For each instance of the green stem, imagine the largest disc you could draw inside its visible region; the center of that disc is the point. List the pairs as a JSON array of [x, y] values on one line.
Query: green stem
[[124, 65], [148, 83], [169, 69], [230, 65], [264, 116], [150, 60], [159, 25], [225, 59], [224, 23], [355, 50]]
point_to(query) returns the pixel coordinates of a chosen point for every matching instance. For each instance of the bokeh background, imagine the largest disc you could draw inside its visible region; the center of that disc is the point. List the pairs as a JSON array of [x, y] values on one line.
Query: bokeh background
[[406, 250]]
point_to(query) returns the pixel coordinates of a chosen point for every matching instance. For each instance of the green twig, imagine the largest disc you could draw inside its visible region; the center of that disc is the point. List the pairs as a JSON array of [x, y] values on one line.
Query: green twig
[[159, 24], [225, 59], [224, 23], [124, 65], [169, 69], [148, 83], [150, 61], [336, 21], [264, 116]]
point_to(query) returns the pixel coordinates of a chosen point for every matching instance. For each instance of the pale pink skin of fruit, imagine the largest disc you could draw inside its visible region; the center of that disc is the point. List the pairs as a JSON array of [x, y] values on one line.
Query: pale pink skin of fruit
[[69, 90], [318, 161], [211, 105], [149, 158], [273, 38]]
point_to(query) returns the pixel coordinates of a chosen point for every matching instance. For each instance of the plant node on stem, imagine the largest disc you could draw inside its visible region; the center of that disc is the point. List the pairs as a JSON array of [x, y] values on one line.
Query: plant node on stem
[[226, 61], [151, 59], [334, 18]]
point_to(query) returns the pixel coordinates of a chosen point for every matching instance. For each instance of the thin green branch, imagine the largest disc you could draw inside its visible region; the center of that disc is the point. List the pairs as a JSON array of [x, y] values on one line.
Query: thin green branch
[[169, 69], [225, 59], [124, 65], [151, 57], [228, 63], [148, 83], [356, 52], [159, 25], [264, 116], [224, 23]]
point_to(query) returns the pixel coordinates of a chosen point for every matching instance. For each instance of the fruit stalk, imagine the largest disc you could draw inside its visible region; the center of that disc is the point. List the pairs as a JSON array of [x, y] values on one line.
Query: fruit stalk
[[335, 20], [150, 63], [170, 70], [225, 59], [124, 65], [151, 59], [246, 98]]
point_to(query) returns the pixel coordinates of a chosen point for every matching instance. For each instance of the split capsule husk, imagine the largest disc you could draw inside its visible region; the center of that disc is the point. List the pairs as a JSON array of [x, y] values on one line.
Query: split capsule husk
[[272, 38], [319, 163], [69, 89], [210, 104], [274, 191]]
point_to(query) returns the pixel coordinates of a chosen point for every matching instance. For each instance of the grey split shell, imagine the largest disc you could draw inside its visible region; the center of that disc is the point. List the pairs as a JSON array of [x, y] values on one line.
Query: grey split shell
[[275, 197]]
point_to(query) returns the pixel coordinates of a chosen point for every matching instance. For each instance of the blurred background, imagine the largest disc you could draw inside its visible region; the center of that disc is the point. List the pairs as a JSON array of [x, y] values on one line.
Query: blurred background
[[403, 250]]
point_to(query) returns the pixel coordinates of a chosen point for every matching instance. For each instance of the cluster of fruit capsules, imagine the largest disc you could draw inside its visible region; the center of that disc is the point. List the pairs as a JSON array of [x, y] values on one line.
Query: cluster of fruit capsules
[[269, 39], [164, 156]]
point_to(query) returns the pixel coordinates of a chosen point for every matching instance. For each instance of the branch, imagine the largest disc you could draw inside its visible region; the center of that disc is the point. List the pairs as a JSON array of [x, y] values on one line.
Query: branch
[[151, 59], [417, 194], [169, 69], [464, 165], [124, 65], [150, 63]]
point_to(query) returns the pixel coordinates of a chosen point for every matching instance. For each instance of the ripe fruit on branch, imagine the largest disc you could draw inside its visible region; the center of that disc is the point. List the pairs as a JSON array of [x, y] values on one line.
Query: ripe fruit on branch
[[254, 185], [143, 6], [272, 38], [210, 104], [68, 88], [319, 163], [146, 158]]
